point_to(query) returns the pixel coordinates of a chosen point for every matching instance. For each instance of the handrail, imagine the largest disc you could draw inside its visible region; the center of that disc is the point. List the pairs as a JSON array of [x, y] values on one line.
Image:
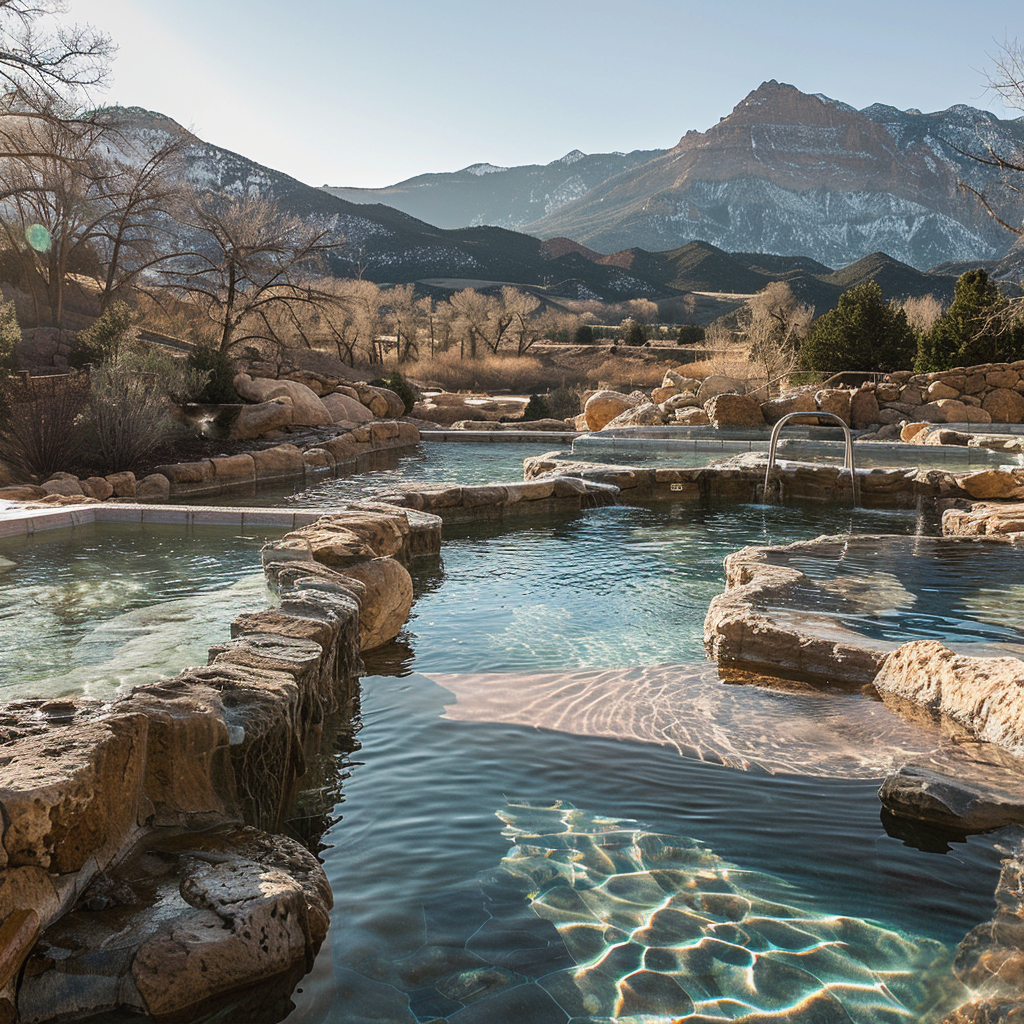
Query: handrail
[[848, 462]]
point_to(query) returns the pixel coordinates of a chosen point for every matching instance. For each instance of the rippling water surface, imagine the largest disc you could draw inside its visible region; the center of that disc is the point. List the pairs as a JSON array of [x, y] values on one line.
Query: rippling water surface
[[444, 912], [98, 607]]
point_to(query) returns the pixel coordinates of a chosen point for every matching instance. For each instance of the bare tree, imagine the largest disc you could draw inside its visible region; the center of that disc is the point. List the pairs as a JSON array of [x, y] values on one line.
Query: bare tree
[[775, 322], [923, 312], [252, 271]]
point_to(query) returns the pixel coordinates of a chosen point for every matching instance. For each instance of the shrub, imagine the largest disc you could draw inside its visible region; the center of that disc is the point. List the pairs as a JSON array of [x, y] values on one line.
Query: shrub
[[564, 402], [583, 335], [10, 336], [863, 332], [401, 387], [635, 333], [38, 433], [536, 408], [219, 372], [690, 334], [106, 338], [973, 330], [128, 415]]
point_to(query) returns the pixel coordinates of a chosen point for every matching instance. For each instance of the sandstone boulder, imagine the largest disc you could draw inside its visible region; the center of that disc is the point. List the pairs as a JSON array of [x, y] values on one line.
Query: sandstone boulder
[[97, 487], [387, 602], [124, 484], [863, 409], [683, 400], [692, 417], [719, 384], [256, 420], [659, 395], [732, 410], [775, 408], [645, 414], [63, 483], [939, 389], [1004, 406], [682, 383], [835, 401], [393, 407], [155, 487], [307, 409], [603, 406], [345, 409], [993, 483]]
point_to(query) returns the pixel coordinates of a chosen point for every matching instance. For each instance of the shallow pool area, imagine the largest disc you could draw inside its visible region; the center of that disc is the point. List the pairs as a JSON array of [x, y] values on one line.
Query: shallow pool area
[[101, 607], [554, 809]]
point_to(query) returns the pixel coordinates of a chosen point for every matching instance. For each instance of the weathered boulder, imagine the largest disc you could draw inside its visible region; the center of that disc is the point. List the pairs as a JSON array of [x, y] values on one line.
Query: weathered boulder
[[682, 383], [719, 384], [155, 487], [954, 411], [912, 431], [1005, 378], [986, 695], [97, 487], [124, 484], [603, 406], [940, 389], [863, 409], [692, 417], [993, 483], [393, 407], [345, 409], [683, 400], [307, 409], [643, 415], [1004, 406], [280, 462], [63, 483], [658, 395], [387, 602], [835, 401], [256, 420], [733, 410], [775, 408]]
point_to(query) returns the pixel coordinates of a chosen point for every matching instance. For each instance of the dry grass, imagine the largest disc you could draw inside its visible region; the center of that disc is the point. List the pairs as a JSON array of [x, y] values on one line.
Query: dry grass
[[489, 373]]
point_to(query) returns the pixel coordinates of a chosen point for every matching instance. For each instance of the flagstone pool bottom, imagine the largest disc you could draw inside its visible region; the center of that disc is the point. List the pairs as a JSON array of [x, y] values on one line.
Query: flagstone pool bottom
[[436, 891]]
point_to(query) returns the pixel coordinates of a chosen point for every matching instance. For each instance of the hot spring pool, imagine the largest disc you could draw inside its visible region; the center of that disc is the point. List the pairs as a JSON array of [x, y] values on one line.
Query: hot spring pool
[[96, 608], [552, 809]]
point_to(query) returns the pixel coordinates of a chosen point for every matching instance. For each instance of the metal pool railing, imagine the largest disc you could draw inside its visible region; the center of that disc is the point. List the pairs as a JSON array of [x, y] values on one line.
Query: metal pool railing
[[848, 463]]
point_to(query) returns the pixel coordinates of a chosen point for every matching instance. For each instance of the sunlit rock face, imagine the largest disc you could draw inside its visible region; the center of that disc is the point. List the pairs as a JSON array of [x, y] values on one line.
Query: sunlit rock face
[[661, 928]]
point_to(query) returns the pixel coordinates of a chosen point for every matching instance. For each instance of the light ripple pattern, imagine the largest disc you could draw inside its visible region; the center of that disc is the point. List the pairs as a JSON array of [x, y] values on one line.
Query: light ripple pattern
[[662, 929]]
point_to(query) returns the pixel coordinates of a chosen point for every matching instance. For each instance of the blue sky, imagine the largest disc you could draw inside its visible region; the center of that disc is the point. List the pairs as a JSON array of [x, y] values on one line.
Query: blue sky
[[370, 93]]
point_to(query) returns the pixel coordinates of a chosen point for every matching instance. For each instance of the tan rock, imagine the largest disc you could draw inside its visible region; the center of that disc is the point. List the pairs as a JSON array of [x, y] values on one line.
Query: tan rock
[[256, 420], [835, 401], [719, 384], [683, 400], [63, 483], [975, 384], [603, 406], [910, 394], [155, 487], [986, 695], [346, 408], [863, 409], [124, 484], [680, 381], [773, 410], [387, 603], [993, 483], [1000, 379], [307, 408], [97, 487], [645, 414], [658, 395], [395, 405], [692, 417], [911, 431], [732, 410], [939, 389], [1004, 406], [233, 469], [280, 462]]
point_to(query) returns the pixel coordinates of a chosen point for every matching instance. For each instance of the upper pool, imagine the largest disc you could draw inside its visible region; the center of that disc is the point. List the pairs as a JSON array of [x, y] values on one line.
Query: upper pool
[[99, 607]]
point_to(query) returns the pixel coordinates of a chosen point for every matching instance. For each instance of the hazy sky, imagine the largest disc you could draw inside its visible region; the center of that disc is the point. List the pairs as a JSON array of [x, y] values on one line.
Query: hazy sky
[[345, 93]]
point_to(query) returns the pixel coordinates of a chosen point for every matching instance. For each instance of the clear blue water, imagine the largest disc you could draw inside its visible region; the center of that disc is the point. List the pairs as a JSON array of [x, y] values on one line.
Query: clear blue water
[[94, 608], [434, 916]]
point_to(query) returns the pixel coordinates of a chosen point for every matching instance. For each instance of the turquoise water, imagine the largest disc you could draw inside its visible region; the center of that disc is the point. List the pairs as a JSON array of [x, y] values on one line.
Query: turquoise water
[[95, 608], [468, 888], [459, 462]]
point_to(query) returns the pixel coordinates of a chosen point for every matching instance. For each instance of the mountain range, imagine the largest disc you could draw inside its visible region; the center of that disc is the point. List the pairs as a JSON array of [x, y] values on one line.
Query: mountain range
[[390, 246], [785, 173]]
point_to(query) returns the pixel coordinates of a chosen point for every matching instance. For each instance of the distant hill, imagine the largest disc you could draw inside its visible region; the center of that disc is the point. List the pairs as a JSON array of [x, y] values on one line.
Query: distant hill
[[506, 197], [785, 173]]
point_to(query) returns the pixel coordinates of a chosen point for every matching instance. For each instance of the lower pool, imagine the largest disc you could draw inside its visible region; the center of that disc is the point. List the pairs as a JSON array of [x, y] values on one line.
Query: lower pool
[[96, 608], [554, 810]]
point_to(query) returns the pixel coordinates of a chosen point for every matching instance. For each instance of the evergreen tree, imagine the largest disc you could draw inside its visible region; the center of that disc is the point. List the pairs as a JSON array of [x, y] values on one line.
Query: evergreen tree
[[635, 332], [972, 330], [863, 332], [10, 335]]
